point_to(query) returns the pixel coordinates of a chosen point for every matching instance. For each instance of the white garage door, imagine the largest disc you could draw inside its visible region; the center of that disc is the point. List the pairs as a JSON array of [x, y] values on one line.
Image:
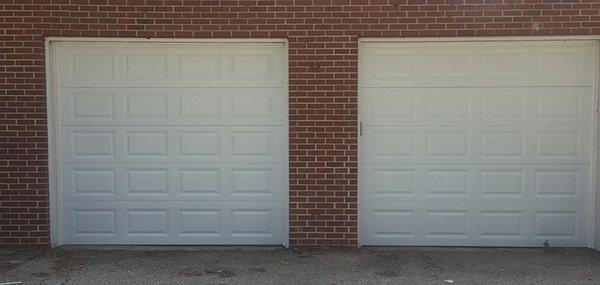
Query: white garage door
[[171, 143], [476, 144]]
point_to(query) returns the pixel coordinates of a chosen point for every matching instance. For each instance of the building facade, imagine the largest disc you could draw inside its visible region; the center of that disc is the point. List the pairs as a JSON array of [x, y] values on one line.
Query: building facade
[[304, 54]]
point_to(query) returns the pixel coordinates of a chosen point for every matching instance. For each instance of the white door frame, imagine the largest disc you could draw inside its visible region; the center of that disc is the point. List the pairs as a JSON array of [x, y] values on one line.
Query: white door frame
[[593, 226], [52, 123]]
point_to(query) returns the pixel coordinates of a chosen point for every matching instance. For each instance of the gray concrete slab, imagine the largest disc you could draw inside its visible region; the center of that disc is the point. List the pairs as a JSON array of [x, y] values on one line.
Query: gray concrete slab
[[239, 265]]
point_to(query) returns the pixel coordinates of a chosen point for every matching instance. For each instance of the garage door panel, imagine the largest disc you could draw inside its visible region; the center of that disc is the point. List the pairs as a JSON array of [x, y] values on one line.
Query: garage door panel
[[448, 104], [477, 64], [86, 64], [254, 106], [389, 106], [82, 105], [196, 105], [89, 144], [143, 106], [491, 224], [474, 182], [162, 222], [144, 182], [254, 64], [398, 65], [90, 181], [166, 65], [142, 64], [476, 144], [388, 144], [166, 144], [560, 225], [173, 182], [477, 106], [145, 143], [195, 64]]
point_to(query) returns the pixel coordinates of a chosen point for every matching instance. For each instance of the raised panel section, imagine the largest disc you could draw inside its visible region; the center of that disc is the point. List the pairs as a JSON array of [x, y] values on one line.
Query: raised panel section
[[254, 107], [552, 144], [557, 63], [447, 63], [199, 144], [387, 103], [510, 64], [201, 182], [501, 224], [251, 182], [447, 181], [199, 66], [146, 65], [501, 182], [447, 224], [251, 222], [199, 105], [147, 143], [80, 63], [87, 64], [394, 224], [390, 65], [200, 223], [556, 183], [252, 144], [387, 144], [94, 222], [147, 223], [251, 66], [93, 106], [448, 104], [96, 182], [150, 106], [99, 144], [390, 182], [552, 224], [560, 103], [147, 182], [502, 144], [447, 144], [503, 103]]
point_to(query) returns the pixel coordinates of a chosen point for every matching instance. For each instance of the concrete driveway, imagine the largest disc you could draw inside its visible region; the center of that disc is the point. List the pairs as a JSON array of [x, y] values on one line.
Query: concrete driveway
[[176, 265]]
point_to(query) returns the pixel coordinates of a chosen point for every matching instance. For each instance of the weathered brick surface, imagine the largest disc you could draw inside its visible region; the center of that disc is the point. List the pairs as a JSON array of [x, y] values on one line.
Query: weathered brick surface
[[323, 37]]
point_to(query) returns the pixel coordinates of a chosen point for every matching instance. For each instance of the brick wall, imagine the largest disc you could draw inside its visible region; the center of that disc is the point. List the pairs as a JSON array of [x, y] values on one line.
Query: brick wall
[[323, 37]]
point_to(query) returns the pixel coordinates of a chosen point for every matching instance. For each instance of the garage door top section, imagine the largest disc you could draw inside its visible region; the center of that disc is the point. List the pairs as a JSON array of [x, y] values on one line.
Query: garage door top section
[[472, 64], [171, 143], [171, 65], [477, 144]]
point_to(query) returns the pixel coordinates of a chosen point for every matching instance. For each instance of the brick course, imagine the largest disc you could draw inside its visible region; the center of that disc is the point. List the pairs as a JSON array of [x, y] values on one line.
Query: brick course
[[323, 51]]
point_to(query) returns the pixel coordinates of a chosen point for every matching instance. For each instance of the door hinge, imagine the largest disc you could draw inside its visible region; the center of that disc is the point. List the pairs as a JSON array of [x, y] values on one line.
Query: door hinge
[[359, 128]]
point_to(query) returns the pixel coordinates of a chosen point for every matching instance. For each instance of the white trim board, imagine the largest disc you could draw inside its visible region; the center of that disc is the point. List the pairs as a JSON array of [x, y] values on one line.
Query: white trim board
[[168, 40], [482, 39]]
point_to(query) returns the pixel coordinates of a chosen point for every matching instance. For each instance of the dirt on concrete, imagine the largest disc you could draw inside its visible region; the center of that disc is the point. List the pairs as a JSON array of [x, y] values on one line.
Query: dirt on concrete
[[387, 265], [10, 259]]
